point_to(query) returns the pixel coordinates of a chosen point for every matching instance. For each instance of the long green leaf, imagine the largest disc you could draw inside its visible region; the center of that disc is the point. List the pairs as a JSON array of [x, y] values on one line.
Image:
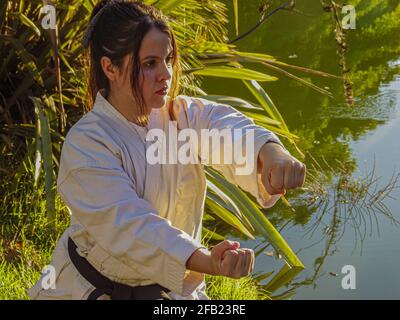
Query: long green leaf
[[282, 277], [236, 16], [234, 73], [54, 39], [47, 156], [229, 218], [254, 56], [262, 118], [38, 151], [26, 21], [280, 132], [305, 82], [213, 235], [232, 101], [265, 101], [269, 106], [168, 5], [88, 5], [269, 62], [255, 112], [256, 217], [224, 201]]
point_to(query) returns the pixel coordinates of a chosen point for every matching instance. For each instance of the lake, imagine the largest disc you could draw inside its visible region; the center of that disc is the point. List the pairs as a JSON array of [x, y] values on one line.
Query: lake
[[346, 215]]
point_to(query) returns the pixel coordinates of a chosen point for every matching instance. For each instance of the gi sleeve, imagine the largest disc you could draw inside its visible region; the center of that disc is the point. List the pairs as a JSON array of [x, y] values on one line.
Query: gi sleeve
[[243, 138], [102, 198]]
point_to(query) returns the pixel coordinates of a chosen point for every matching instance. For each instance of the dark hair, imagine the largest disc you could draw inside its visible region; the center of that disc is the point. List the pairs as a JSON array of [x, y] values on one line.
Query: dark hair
[[118, 30]]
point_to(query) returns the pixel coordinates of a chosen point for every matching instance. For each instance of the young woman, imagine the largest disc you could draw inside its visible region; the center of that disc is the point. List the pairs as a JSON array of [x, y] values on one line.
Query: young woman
[[136, 224]]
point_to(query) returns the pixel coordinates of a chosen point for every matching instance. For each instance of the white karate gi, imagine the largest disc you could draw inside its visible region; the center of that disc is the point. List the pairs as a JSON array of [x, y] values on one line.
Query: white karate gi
[[134, 222]]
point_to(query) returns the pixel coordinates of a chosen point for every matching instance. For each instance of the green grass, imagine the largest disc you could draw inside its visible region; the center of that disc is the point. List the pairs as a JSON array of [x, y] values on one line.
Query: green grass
[[15, 279], [21, 265], [27, 239], [222, 288]]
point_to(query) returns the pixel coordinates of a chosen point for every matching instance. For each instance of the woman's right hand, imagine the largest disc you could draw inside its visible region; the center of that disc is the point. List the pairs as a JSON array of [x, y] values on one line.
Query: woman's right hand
[[230, 261], [225, 259]]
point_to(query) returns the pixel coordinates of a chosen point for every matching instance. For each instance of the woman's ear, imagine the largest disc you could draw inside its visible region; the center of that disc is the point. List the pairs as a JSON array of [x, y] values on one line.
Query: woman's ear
[[109, 69]]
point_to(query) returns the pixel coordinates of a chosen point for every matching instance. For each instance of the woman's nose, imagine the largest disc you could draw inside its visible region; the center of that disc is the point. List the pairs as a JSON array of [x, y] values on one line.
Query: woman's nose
[[166, 72]]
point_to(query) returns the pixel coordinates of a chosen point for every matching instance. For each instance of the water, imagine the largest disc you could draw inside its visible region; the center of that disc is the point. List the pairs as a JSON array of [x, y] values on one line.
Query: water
[[364, 138]]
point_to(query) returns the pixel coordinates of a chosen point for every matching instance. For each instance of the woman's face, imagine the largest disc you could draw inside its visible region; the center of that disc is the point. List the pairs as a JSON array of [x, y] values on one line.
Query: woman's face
[[155, 57]]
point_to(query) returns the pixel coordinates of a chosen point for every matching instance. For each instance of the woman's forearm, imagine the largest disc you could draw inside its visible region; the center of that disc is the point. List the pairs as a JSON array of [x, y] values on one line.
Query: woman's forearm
[[200, 261]]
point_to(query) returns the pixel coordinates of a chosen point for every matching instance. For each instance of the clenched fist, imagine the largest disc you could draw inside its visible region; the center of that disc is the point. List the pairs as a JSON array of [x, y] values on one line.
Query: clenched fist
[[230, 261], [225, 259], [279, 170]]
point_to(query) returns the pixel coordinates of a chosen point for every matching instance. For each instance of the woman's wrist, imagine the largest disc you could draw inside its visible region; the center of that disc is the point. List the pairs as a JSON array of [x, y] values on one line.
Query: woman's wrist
[[201, 261], [266, 150]]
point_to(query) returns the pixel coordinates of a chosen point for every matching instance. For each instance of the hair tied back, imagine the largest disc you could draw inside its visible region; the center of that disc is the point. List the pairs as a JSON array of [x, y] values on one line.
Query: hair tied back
[[89, 30]]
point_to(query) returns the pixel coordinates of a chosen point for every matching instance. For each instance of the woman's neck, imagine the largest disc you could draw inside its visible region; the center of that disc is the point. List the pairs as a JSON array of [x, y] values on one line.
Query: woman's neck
[[125, 106]]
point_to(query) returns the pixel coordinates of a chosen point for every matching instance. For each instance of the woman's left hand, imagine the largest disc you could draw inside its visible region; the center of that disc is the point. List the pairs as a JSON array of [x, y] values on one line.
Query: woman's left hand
[[279, 170]]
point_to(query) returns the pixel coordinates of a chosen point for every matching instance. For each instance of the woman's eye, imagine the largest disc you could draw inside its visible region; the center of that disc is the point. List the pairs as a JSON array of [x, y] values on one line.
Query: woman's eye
[[152, 63], [149, 64]]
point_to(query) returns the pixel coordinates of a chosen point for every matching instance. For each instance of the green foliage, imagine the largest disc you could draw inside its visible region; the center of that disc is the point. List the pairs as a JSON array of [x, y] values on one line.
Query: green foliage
[[222, 288], [28, 235], [14, 279]]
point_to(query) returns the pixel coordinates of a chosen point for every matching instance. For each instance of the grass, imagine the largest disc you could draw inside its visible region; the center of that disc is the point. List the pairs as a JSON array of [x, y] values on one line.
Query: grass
[[15, 279], [222, 288], [21, 268], [21, 263], [27, 239]]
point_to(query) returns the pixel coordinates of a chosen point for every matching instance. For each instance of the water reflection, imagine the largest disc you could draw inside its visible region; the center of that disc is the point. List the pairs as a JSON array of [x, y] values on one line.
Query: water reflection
[[327, 209], [335, 203]]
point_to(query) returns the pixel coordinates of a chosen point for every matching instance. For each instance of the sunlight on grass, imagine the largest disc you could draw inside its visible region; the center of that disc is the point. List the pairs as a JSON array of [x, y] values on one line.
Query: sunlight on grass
[[222, 288], [15, 279]]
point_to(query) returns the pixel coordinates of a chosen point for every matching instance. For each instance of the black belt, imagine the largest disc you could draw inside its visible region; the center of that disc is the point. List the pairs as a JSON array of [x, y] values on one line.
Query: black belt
[[103, 285]]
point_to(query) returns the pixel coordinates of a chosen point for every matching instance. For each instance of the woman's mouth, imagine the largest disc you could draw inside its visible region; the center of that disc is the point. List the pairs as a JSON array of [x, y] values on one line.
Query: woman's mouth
[[162, 92]]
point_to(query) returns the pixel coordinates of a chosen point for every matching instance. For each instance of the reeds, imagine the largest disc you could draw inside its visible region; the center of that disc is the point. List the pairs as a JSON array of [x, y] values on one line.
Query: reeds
[[356, 202]]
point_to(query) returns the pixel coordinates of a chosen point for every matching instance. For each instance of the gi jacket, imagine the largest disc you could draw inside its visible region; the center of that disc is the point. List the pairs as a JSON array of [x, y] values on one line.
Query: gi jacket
[[138, 223]]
